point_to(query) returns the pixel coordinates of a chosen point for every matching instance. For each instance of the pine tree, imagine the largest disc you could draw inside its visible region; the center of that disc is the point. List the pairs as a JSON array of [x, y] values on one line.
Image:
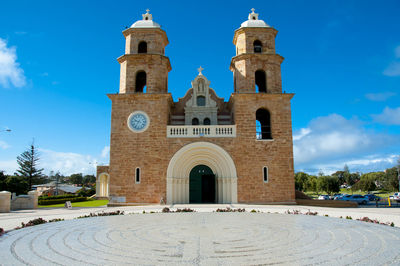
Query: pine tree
[[27, 162]]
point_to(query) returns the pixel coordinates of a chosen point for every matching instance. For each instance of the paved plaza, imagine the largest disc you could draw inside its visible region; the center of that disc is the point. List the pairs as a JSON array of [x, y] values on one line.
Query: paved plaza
[[203, 238]]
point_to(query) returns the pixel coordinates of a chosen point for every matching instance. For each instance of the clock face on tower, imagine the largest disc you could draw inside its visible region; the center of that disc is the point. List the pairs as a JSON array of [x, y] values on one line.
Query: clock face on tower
[[138, 121]]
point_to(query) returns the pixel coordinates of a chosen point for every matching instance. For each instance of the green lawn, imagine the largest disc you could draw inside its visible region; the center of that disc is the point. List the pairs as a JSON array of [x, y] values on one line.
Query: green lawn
[[89, 203], [348, 191]]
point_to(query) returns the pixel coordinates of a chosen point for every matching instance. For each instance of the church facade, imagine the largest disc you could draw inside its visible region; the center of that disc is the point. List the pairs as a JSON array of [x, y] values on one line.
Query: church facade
[[200, 149]]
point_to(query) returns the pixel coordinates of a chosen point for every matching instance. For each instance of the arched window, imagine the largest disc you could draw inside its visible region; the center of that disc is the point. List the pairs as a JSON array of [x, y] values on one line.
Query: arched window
[[137, 175], [257, 47], [261, 81], [142, 48], [265, 174], [195, 121], [263, 124], [201, 101], [140, 81], [207, 121]]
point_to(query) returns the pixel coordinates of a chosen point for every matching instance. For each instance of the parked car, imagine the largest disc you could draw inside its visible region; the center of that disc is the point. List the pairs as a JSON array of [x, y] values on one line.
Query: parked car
[[339, 196], [396, 196], [323, 197], [372, 197], [360, 199]]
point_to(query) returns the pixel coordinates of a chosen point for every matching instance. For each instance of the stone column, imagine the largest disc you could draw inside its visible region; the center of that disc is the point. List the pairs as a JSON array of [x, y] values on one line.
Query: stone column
[[33, 195], [5, 201], [170, 191]]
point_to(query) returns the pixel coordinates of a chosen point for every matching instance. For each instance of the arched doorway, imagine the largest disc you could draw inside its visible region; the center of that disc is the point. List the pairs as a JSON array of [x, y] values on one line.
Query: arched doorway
[[201, 185], [102, 185], [197, 154]]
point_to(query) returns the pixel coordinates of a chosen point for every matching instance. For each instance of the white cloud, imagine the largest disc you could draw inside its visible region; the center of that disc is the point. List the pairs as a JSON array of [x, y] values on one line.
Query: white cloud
[[392, 70], [105, 152], [332, 138], [389, 116], [397, 51], [8, 166], [363, 164], [380, 96], [4, 145], [10, 71], [67, 162]]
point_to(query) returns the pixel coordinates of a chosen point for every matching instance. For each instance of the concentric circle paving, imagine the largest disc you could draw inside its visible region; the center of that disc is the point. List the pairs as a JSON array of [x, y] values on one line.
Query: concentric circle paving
[[203, 239]]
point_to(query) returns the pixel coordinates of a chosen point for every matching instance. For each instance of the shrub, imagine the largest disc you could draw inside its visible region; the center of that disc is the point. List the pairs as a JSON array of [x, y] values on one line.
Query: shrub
[[65, 196], [92, 214], [185, 210], [34, 222], [61, 200], [231, 210]]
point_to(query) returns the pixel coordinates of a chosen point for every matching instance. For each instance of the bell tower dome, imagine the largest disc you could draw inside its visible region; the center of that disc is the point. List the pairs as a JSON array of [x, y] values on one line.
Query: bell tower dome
[[256, 66], [144, 67]]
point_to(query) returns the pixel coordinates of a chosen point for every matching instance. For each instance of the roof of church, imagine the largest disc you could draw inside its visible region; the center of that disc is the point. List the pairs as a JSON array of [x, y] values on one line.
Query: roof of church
[[146, 22], [254, 22]]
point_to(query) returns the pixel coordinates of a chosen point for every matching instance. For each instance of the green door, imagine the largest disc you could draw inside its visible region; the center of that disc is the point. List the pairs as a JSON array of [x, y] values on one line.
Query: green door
[[201, 184]]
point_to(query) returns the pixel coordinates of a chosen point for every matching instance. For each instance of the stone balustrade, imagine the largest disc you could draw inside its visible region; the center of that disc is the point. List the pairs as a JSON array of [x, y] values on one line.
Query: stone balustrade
[[214, 131]]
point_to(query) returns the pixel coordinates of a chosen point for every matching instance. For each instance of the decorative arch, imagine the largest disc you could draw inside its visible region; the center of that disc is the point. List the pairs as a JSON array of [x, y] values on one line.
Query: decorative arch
[[201, 153], [102, 185]]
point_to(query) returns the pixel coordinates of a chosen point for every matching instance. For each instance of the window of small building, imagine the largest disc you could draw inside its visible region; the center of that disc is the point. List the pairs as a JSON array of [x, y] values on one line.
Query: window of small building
[[137, 175], [201, 101], [261, 81], [207, 121], [263, 124], [195, 121], [265, 174], [142, 47], [257, 46], [140, 81]]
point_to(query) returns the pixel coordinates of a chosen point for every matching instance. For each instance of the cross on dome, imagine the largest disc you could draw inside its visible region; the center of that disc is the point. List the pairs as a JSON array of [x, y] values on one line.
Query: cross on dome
[[147, 16], [252, 15], [200, 69]]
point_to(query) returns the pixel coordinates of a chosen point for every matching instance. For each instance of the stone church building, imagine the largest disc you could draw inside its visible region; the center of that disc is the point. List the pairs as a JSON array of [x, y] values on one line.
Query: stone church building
[[199, 149]]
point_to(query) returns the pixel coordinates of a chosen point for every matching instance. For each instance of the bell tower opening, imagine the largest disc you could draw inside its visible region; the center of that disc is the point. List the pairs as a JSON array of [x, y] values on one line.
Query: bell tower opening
[[261, 81], [142, 47], [201, 185], [140, 82]]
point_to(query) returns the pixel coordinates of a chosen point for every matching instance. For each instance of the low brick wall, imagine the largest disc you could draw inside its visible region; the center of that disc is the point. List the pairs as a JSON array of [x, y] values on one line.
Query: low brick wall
[[327, 203], [22, 202]]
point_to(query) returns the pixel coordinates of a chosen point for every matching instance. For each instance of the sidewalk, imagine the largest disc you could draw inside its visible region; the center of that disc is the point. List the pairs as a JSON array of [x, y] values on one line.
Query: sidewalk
[[13, 219]]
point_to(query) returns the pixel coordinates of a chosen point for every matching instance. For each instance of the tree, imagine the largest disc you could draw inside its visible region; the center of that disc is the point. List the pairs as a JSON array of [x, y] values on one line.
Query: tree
[[76, 179], [391, 179], [3, 185], [89, 180], [329, 184], [341, 176], [367, 182], [301, 180], [27, 162], [17, 184]]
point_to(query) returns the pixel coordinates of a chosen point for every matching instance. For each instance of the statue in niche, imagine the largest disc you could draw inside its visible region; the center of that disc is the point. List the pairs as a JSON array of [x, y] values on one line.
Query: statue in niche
[[201, 85]]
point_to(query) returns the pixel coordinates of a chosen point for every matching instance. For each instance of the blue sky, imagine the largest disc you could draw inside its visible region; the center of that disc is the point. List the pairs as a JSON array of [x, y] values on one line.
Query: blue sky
[[342, 60]]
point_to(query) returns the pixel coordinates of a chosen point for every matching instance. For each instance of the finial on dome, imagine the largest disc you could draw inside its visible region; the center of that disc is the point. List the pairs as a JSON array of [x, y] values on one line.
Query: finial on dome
[[252, 15], [200, 69], [147, 16]]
